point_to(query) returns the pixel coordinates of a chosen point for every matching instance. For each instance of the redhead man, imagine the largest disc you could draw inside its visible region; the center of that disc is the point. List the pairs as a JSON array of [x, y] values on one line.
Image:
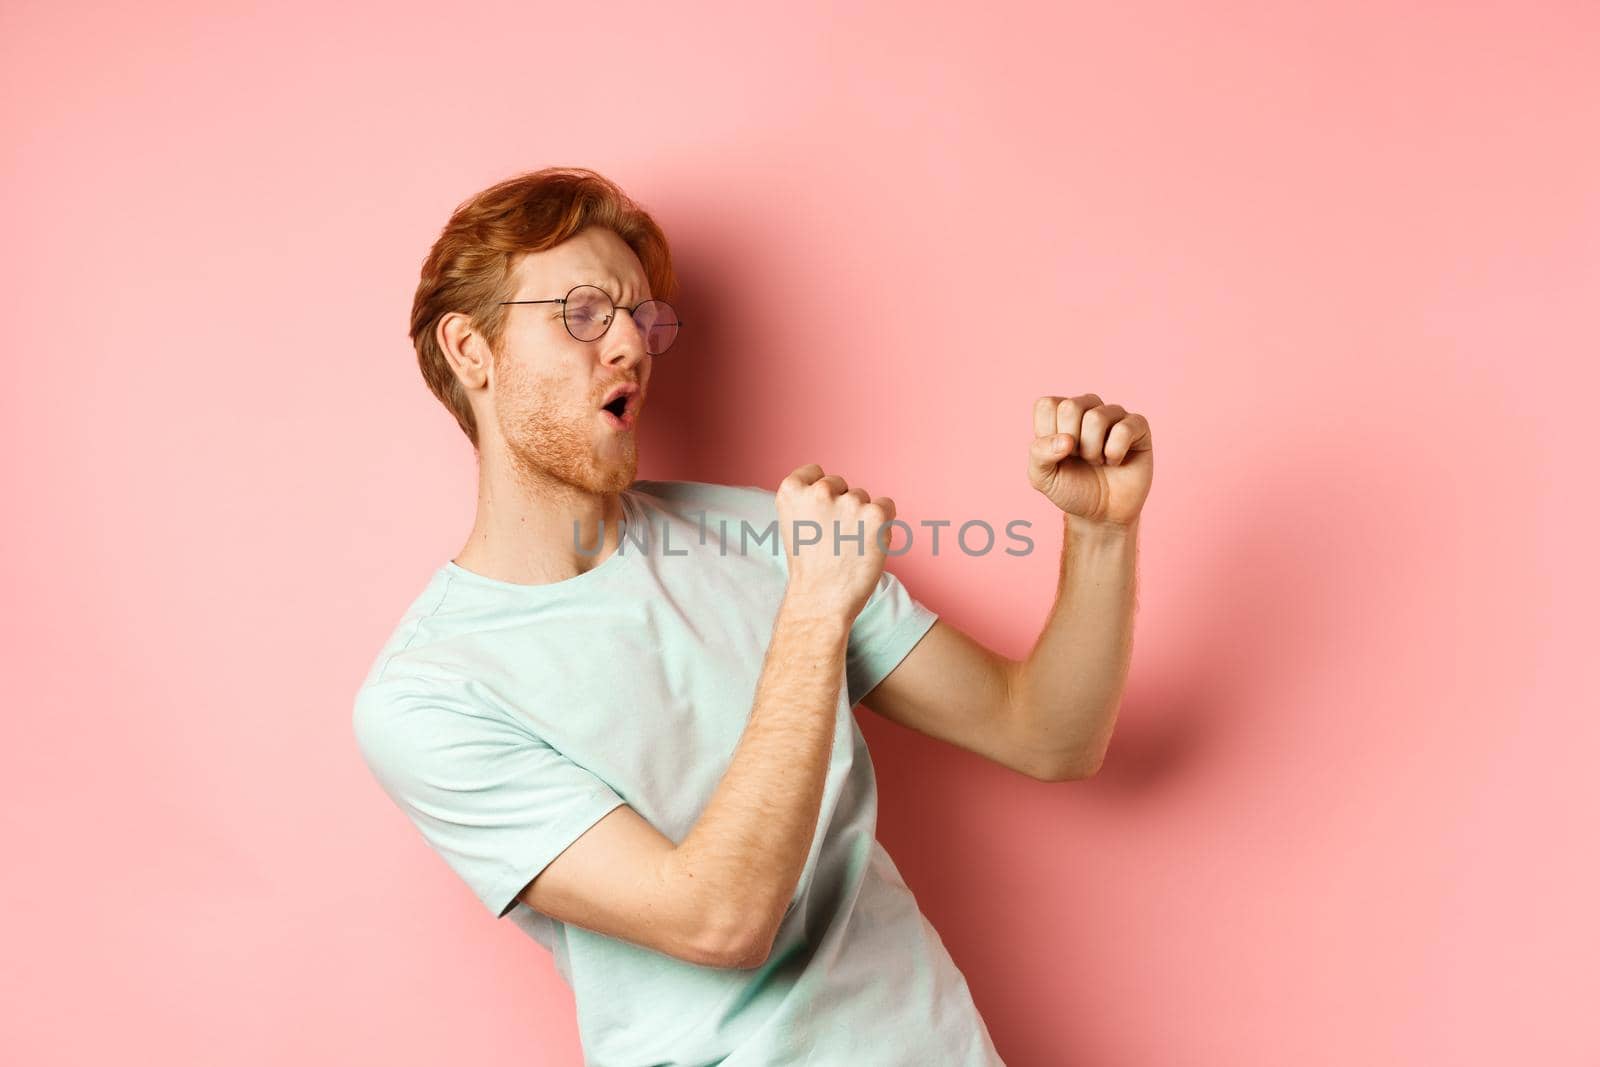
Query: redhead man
[[623, 711]]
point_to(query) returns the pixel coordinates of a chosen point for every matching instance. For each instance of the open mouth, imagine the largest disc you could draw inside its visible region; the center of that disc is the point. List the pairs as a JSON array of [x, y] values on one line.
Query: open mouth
[[621, 404]]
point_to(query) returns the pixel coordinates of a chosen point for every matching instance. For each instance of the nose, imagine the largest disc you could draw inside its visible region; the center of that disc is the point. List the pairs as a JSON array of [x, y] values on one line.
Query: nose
[[623, 343]]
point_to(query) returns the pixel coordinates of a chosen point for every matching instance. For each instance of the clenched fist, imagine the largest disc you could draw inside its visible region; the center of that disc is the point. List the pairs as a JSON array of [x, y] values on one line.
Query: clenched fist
[[835, 540], [1092, 459]]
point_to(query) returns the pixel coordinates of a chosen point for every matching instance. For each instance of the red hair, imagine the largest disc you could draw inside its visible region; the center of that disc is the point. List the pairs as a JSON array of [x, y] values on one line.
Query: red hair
[[469, 267]]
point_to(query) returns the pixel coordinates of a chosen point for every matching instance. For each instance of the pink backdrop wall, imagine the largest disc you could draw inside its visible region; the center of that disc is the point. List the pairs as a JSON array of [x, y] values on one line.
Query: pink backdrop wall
[[1346, 259]]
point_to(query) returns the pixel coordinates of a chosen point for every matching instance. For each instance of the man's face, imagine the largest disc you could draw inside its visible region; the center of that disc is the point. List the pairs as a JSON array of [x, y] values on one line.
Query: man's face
[[547, 388]]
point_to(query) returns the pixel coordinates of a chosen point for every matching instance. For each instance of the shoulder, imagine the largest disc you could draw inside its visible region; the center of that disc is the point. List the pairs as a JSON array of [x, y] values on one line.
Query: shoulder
[[396, 694], [406, 723], [418, 627], [412, 682]]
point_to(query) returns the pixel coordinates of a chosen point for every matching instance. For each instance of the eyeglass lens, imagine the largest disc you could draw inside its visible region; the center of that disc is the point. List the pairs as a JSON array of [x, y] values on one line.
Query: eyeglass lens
[[588, 312]]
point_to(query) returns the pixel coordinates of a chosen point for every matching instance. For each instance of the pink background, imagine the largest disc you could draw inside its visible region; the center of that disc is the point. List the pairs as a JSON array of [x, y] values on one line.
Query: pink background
[[1345, 259]]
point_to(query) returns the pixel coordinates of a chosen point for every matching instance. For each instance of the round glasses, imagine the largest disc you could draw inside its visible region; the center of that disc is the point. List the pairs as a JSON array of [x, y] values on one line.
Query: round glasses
[[588, 310]]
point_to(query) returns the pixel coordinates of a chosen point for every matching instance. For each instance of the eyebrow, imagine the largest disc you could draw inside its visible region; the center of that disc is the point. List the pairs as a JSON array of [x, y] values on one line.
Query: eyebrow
[[615, 291], [611, 290]]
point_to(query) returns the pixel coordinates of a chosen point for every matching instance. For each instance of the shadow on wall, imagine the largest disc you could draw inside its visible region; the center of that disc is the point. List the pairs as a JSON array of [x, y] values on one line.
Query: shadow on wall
[[698, 424], [1239, 599]]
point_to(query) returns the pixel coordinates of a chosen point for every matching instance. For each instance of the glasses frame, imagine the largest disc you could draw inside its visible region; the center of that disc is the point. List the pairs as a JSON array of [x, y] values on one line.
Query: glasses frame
[[615, 307]]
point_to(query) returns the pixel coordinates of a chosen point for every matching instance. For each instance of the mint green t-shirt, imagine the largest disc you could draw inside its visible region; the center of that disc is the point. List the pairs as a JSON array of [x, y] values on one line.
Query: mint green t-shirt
[[506, 719]]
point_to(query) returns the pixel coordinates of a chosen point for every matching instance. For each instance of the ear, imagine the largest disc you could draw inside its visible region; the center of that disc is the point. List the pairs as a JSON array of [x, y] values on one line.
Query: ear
[[465, 349]]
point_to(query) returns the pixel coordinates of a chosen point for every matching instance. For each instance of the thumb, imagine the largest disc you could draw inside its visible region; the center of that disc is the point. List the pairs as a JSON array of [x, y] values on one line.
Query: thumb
[[1047, 451]]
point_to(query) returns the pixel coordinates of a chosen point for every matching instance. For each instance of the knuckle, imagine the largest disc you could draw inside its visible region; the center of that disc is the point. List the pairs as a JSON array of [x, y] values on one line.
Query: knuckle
[[801, 475]]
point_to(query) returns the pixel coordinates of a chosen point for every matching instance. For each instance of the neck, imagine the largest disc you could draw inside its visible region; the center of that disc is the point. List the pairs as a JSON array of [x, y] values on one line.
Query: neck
[[523, 532]]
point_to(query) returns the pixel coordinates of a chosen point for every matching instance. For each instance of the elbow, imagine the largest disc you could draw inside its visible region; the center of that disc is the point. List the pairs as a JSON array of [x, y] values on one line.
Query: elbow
[[741, 953], [1083, 769], [1076, 768], [735, 944], [727, 928], [748, 954], [1064, 760], [1048, 762]]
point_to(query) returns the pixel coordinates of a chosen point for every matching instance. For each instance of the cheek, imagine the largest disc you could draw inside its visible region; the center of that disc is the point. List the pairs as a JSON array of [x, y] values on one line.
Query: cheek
[[553, 375]]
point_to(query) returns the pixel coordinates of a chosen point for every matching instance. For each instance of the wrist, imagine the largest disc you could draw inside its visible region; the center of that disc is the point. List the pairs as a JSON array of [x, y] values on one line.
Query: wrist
[[1098, 533], [821, 615]]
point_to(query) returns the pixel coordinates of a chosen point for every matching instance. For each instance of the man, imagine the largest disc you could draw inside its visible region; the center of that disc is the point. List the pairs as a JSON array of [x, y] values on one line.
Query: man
[[623, 712]]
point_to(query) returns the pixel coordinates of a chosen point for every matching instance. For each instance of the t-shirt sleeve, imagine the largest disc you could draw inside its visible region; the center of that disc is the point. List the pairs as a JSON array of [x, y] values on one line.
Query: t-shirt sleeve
[[889, 626], [492, 798]]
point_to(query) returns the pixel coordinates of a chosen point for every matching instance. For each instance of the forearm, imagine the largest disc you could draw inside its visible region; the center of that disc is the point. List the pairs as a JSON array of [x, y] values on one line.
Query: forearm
[[1065, 694], [750, 844]]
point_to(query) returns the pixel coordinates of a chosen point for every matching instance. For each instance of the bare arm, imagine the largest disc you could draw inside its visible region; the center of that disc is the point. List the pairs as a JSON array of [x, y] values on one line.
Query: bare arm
[[719, 896], [1051, 715], [747, 850]]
